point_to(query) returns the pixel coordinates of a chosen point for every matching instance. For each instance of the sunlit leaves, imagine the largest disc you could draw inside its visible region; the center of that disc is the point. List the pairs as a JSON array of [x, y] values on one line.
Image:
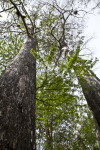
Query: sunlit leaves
[[53, 50]]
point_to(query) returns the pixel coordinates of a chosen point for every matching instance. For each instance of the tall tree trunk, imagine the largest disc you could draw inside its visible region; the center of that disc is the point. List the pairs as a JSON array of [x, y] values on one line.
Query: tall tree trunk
[[91, 89], [17, 98]]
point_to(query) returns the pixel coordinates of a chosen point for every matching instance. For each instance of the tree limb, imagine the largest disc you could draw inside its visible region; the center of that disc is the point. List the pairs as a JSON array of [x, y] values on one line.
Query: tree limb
[[22, 17]]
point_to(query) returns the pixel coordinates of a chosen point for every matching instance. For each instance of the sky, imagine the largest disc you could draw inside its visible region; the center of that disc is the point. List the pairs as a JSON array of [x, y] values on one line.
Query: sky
[[92, 29]]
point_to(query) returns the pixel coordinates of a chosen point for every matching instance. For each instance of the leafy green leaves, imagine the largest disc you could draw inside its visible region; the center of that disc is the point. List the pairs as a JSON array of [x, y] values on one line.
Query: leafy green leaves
[[53, 50], [9, 49]]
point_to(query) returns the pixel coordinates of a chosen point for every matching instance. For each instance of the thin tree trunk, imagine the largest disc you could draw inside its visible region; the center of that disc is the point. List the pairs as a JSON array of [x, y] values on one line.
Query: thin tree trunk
[[91, 89], [17, 98]]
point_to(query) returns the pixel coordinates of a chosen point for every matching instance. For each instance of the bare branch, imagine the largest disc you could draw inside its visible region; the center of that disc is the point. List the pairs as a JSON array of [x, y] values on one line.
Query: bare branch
[[6, 9], [22, 17], [24, 9]]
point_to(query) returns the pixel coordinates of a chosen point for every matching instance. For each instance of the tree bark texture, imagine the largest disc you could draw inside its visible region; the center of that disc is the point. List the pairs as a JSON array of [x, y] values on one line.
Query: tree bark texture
[[17, 98], [91, 89]]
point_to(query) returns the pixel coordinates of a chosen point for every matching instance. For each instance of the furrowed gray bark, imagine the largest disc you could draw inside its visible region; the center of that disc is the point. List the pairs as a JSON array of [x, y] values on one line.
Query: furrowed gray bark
[[91, 89], [17, 98]]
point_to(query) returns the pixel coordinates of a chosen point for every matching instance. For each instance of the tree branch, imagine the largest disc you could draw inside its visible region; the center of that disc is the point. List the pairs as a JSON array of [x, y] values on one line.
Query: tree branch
[[27, 16], [45, 103], [22, 17], [6, 9]]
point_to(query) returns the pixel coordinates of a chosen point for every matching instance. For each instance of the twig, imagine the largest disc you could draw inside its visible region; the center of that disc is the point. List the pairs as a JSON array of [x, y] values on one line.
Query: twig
[[6, 9], [45, 103]]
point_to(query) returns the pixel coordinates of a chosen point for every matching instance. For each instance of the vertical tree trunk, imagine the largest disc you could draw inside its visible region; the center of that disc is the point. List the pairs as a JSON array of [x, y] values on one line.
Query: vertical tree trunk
[[91, 89], [17, 98]]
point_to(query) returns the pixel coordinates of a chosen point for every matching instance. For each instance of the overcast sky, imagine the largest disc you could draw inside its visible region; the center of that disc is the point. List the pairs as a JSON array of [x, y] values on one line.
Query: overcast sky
[[93, 30]]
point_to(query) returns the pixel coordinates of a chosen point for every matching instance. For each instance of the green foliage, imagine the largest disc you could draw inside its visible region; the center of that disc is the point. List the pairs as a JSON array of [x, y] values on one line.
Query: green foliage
[[62, 117], [34, 53], [52, 51], [80, 66], [58, 107], [9, 49]]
